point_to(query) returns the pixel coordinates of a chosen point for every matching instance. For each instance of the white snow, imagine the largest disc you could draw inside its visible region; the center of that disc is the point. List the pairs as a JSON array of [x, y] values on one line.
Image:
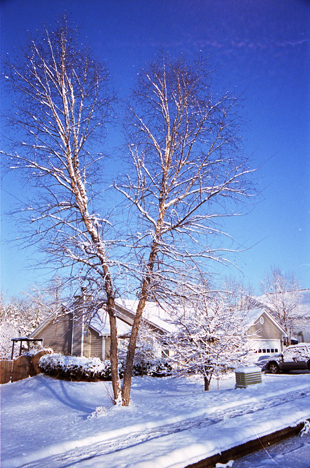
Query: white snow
[[248, 370], [153, 313], [171, 422], [102, 325]]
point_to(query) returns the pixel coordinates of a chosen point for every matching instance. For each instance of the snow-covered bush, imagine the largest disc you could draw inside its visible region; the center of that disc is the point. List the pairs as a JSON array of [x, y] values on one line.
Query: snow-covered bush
[[82, 368], [147, 360], [155, 368], [75, 368]]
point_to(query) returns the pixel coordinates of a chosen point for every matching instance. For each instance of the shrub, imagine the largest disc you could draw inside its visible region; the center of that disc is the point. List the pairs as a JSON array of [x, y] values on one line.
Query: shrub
[[154, 368], [75, 368], [93, 369]]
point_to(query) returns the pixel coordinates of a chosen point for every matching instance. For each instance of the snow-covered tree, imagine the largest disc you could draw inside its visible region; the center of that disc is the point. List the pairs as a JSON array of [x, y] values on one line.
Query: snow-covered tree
[[19, 316], [62, 102], [188, 173], [282, 297], [7, 332], [210, 333]]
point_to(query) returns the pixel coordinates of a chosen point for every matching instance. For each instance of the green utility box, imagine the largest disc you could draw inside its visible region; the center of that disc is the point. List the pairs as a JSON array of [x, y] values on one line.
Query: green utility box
[[246, 376]]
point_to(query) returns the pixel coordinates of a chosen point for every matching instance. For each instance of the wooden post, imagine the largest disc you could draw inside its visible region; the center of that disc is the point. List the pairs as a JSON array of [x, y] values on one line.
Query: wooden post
[[12, 350]]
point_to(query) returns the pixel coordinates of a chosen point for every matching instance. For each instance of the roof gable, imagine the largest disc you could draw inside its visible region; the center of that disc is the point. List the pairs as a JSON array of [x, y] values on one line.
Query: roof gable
[[50, 319], [255, 314]]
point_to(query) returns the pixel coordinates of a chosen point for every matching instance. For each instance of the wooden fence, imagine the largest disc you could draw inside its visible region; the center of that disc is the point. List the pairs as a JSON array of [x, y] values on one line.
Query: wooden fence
[[20, 368]]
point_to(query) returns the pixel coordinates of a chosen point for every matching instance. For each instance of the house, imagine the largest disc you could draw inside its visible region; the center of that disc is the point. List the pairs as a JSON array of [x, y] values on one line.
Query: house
[[297, 304], [72, 333], [265, 333]]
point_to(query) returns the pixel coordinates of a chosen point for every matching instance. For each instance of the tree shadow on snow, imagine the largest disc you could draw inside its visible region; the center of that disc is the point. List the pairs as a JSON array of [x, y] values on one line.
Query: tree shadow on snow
[[66, 399]]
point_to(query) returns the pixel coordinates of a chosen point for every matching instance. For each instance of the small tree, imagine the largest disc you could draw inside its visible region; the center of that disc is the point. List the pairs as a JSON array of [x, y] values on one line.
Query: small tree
[[282, 296], [210, 335]]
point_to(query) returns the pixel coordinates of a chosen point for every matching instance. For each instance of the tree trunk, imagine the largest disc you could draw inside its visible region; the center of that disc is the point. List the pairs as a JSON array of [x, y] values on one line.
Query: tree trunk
[[131, 353], [114, 359], [136, 324], [207, 383], [113, 347]]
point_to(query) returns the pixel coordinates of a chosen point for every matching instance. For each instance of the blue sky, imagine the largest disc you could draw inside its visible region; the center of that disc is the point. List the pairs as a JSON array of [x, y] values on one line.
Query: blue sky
[[259, 47]]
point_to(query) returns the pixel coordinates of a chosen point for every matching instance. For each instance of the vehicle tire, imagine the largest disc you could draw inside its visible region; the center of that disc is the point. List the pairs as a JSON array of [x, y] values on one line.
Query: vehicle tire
[[273, 368], [308, 365]]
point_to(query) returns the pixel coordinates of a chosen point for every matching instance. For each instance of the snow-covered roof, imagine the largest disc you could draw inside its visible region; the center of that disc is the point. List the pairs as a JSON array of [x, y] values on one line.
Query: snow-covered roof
[[153, 313], [101, 324], [162, 319], [254, 314]]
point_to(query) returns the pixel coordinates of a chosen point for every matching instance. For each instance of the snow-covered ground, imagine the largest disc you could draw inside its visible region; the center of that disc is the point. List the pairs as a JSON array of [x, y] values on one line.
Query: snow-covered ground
[[171, 422]]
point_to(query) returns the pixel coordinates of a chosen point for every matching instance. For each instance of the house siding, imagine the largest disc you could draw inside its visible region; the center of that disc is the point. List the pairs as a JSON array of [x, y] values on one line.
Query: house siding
[[78, 338], [87, 343], [107, 347], [58, 334], [96, 344], [265, 331]]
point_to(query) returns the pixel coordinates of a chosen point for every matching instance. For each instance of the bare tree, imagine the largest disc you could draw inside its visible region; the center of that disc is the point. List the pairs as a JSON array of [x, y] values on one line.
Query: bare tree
[[188, 173], [282, 296], [62, 104], [188, 170]]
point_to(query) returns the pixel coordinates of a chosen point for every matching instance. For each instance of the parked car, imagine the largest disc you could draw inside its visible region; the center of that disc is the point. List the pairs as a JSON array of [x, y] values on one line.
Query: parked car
[[295, 357], [263, 359]]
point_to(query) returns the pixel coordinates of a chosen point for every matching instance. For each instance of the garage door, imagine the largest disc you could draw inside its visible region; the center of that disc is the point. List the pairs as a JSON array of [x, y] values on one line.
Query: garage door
[[267, 346]]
